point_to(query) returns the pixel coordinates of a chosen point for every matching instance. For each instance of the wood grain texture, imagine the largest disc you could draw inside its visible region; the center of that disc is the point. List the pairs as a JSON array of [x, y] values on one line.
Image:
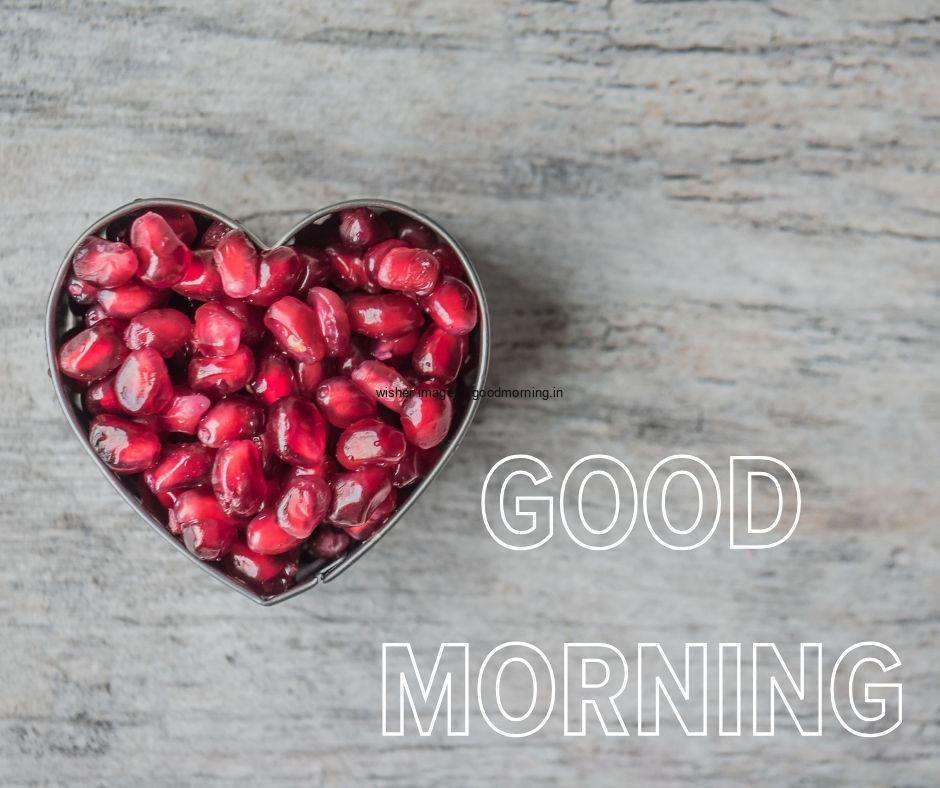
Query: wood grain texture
[[715, 225]]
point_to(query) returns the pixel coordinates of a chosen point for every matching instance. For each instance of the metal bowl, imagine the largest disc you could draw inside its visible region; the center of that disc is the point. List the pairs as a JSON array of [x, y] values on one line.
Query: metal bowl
[[59, 320]]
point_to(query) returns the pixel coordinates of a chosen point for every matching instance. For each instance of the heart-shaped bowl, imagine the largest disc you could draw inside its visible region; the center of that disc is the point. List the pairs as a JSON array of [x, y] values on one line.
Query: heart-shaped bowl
[[60, 320]]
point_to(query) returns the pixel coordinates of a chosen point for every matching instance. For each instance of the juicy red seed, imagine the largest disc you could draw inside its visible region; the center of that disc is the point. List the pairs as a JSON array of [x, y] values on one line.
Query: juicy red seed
[[81, 292], [357, 494], [269, 574], [296, 328], [214, 233], [165, 330], [100, 397], [415, 465], [238, 478], [348, 268], [131, 299], [382, 383], [297, 432], [123, 445], [303, 503], [452, 306], [166, 499], [377, 252], [309, 376], [180, 467], [222, 376], [274, 379], [328, 543], [233, 418], [376, 520], [181, 222], [237, 260], [104, 263], [411, 270], [265, 536], [95, 314], [398, 347], [416, 234], [440, 354], [252, 319], [370, 442], [143, 383], [383, 316], [217, 332], [184, 411], [314, 268], [352, 358], [450, 263], [196, 506], [326, 469], [209, 540], [360, 227], [92, 353], [342, 403], [162, 257], [201, 280], [278, 272], [332, 318], [426, 416]]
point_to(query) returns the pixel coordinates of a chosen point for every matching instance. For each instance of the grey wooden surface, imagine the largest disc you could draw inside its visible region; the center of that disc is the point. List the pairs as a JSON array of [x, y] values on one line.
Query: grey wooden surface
[[715, 225]]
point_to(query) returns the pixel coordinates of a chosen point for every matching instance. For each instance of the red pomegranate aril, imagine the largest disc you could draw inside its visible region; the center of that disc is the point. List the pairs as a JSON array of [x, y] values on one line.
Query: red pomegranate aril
[[104, 263], [93, 352], [375, 253], [209, 540], [123, 445], [382, 383], [100, 397], [297, 432], [180, 467], [309, 376], [269, 574], [196, 506], [185, 411], [274, 379], [357, 494], [222, 376], [81, 293], [251, 317], [128, 300], [332, 318], [214, 233], [410, 270], [396, 348], [360, 227], [233, 418], [342, 403], [181, 222], [201, 280], [348, 268], [450, 263], [165, 330], [452, 306], [161, 256], [238, 478], [415, 465], [95, 314], [326, 469], [370, 443], [278, 272], [143, 383], [314, 268], [383, 316], [440, 355], [302, 505], [376, 520], [352, 358], [426, 416], [296, 328], [416, 234], [328, 543], [217, 331], [238, 261], [166, 499], [265, 536]]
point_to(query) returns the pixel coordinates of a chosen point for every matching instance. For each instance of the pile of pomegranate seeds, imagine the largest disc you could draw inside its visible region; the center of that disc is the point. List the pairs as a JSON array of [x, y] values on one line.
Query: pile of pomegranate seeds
[[276, 404]]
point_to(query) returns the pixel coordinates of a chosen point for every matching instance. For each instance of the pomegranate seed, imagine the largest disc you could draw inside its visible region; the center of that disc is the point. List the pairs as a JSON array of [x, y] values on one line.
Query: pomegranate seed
[[218, 332], [309, 376], [161, 255], [415, 465], [333, 320], [184, 411], [209, 540], [326, 469], [131, 299], [440, 355], [399, 347], [382, 383], [123, 445], [95, 314], [100, 397], [213, 234], [252, 320], [181, 222], [92, 353], [81, 292], [370, 442], [269, 574], [238, 478], [265, 536], [360, 227], [201, 280], [384, 316], [348, 268], [411, 270], [303, 504], [166, 499], [278, 272], [222, 376], [357, 494], [196, 506], [450, 263], [426, 416], [274, 379], [352, 358], [376, 520], [238, 261], [314, 268], [165, 330], [180, 467], [296, 328], [342, 403], [104, 263], [452, 306], [328, 543], [375, 253], [416, 234], [233, 418], [143, 383], [297, 432]]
